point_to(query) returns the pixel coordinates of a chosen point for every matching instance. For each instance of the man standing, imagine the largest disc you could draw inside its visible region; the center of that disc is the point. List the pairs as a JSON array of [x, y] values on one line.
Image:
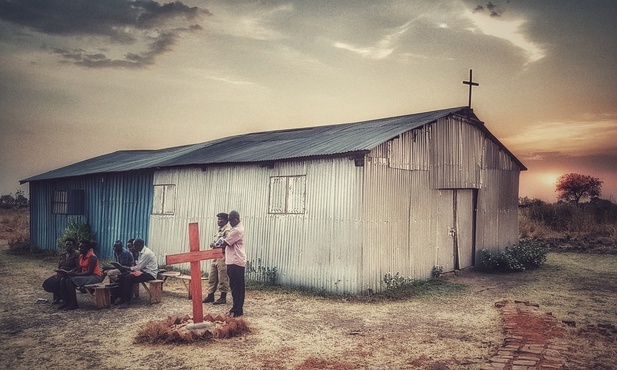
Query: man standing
[[145, 269], [218, 268], [235, 258]]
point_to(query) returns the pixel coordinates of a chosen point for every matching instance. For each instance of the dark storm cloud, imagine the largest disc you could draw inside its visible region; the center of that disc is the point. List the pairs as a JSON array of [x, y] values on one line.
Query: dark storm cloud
[[492, 8], [160, 45], [120, 21]]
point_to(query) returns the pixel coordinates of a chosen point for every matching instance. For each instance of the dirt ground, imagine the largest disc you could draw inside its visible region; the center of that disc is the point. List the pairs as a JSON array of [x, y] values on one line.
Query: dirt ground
[[463, 330]]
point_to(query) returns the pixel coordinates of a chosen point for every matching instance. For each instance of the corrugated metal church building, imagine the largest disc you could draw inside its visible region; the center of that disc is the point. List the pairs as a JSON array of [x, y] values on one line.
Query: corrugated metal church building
[[330, 207]]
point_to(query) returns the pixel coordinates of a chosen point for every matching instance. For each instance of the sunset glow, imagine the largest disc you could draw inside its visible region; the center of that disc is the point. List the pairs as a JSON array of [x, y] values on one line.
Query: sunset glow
[[81, 81]]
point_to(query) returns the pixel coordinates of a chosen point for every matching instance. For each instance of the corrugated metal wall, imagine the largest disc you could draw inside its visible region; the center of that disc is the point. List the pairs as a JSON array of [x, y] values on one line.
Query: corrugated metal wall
[[320, 248], [456, 154], [414, 184], [117, 206]]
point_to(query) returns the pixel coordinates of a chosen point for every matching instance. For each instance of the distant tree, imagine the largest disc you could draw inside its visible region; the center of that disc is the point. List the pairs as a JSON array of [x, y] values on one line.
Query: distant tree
[[20, 199], [7, 201], [528, 202], [574, 187]]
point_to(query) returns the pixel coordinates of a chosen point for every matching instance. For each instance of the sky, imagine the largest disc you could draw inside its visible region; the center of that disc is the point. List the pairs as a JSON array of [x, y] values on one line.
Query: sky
[[82, 78]]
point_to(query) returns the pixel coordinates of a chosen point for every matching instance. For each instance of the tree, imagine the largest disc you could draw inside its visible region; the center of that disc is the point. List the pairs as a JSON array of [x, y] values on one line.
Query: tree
[[573, 187], [7, 201], [20, 199]]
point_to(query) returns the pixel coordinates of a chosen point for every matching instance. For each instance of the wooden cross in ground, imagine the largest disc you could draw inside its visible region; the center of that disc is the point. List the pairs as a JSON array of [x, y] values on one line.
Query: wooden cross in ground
[[471, 84], [195, 256]]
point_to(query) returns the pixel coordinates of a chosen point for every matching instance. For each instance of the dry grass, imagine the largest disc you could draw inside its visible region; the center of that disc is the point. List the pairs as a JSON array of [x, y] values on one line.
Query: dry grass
[[455, 328], [14, 223]]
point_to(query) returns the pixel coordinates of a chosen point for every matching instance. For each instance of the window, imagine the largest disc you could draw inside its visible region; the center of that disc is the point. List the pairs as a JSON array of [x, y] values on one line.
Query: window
[[68, 202], [287, 194], [164, 200]]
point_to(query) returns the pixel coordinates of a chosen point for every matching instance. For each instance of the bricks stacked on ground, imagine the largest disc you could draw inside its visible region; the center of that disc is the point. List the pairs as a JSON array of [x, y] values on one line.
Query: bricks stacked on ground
[[530, 339]]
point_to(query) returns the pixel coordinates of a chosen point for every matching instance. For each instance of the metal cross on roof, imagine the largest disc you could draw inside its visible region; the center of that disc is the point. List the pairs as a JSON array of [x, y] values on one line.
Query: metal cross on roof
[[471, 84]]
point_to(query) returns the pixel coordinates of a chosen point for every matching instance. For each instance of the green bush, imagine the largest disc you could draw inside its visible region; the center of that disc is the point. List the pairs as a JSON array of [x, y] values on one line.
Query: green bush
[[396, 281], [525, 255], [76, 230]]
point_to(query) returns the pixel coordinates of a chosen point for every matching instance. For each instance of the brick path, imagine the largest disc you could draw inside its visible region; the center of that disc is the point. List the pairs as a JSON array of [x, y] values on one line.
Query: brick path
[[530, 336]]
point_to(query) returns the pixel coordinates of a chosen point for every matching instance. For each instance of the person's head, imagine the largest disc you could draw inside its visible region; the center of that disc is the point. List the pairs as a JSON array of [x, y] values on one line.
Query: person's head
[[138, 244], [222, 219], [84, 246], [129, 244], [118, 246], [69, 243], [234, 218]]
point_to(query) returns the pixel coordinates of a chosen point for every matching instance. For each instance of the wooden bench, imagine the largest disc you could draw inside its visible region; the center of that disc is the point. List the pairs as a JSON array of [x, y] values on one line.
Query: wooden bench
[[164, 275], [154, 289], [186, 279], [100, 294]]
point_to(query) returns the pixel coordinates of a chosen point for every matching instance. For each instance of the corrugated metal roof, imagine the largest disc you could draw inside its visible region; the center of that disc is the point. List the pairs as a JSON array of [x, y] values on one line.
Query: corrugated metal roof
[[258, 147]]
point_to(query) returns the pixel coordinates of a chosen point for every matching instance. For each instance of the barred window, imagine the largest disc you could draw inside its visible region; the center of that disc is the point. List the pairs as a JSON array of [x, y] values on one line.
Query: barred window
[[287, 194], [68, 202]]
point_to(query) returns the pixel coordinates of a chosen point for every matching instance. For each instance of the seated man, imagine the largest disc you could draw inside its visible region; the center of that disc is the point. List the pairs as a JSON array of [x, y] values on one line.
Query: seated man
[[146, 268], [129, 246], [123, 257]]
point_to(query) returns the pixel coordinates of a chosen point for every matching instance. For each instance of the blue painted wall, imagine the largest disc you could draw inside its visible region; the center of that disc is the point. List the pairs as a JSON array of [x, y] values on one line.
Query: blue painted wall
[[116, 205]]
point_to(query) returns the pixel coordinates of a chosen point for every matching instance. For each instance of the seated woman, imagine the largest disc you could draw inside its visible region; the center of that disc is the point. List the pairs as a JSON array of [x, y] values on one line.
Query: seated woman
[[88, 272], [68, 261]]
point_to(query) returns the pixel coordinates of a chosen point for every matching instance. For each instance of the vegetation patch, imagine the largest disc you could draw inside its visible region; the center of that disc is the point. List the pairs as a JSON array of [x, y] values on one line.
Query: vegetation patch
[[525, 255], [21, 245], [261, 273], [76, 230]]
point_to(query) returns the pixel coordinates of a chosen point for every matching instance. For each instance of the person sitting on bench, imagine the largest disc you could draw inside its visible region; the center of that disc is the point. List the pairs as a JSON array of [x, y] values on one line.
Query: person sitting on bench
[[68, 261], [145, 269], [123, 257], [88, 272]]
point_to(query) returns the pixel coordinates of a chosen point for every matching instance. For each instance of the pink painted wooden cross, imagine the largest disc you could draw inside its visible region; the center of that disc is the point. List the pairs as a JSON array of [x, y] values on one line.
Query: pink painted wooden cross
[[195, 256]]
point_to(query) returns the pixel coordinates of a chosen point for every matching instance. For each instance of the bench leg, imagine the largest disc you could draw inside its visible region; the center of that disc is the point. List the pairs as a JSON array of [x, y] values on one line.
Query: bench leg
[[154, 289], [102, 298]]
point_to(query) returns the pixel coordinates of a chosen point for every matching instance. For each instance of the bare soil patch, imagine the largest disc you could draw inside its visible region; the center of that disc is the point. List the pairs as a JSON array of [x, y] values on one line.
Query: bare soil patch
[[292, 330]]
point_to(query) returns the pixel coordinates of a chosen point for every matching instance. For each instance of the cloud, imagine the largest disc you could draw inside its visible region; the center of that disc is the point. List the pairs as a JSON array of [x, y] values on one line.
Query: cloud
[[566, 138], [253, 21], [148, 27], [509, 30], [383, 48], [492, 8]]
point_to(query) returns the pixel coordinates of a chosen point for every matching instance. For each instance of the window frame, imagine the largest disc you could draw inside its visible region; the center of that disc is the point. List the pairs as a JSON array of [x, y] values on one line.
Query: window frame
[[167, 205], [293, 200], [67, 202], [60, 202]]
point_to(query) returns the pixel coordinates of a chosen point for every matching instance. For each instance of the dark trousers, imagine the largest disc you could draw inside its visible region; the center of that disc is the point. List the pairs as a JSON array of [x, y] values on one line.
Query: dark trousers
[[126, 284], [52, 285], [236, 283]]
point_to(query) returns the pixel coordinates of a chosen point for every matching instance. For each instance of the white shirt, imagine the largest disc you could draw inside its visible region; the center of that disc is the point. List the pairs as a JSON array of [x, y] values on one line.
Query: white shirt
[[146, 262]]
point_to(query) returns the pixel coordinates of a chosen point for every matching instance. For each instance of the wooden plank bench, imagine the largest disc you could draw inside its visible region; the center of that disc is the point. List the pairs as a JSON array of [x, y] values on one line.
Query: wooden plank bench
[[100, 294], [186, 279], [154, 289]]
